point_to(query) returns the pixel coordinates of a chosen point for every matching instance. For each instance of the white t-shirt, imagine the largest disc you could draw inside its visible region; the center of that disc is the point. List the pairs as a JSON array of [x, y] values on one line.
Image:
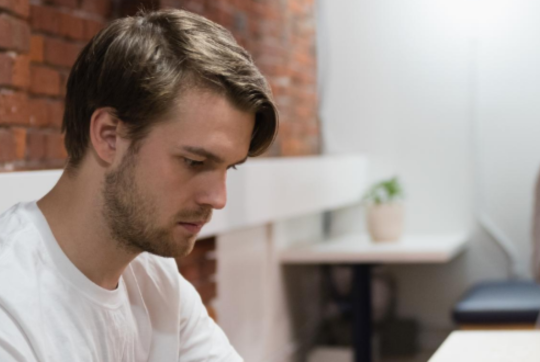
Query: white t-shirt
[[50, 311]]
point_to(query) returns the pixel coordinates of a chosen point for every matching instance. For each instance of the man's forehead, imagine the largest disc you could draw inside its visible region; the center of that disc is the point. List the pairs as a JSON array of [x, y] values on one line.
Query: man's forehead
[[207, 124]]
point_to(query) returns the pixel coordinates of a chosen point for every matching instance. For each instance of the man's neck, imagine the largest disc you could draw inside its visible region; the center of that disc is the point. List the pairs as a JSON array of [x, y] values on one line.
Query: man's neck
[[73, 209]]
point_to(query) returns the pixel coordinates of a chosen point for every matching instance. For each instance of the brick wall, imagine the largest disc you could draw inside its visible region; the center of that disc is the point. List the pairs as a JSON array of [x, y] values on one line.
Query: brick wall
[[40, 40]]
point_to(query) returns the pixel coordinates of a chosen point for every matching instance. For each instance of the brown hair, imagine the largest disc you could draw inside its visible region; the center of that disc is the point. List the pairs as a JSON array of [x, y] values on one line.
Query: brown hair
[[138, 66]]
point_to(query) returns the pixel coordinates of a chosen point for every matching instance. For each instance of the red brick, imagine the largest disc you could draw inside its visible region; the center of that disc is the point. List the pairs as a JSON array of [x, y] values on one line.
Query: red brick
[[14, 70], [208, 268], [20, 31], [303, 76], [196, 6], [295, 147], [19, 134], [207, 291], [304, 58], [304, 112], [60, 52], [12, 144], [297, 7], [8, 147], [45, 18], [291, 129], [18, 7], [35, 145], [36, 48], [44, 80], [54, 146], [191, 272], [72, 27], [5, 32], [72, 4], [130, 8], [199, 253], [6, 69], [45, 112], [64, 76], [21, 71], [14, 34], [195, 257], [206, 245], [13, 108], [56, 113], [38, 112], [91, 28], [99, 7]]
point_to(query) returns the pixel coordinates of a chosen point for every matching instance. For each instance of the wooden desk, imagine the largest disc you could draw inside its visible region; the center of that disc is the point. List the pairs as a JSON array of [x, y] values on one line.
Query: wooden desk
[[490, 346], [362, 254]]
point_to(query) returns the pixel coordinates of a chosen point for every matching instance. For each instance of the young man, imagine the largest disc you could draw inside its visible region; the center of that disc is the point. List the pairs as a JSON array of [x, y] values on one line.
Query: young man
[[158, 108]]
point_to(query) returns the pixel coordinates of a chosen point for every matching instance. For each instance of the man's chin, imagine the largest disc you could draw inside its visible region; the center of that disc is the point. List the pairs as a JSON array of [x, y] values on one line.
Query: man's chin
[[184, 248], [190, 245], [175, 249]]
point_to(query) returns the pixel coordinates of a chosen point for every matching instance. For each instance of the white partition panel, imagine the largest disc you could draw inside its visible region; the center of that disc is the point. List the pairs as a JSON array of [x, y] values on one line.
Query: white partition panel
[[261, 191], [25, 186], [273, 189]]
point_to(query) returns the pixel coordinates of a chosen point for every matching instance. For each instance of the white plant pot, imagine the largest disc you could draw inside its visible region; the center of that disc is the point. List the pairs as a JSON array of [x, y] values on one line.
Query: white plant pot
[[385, 221]]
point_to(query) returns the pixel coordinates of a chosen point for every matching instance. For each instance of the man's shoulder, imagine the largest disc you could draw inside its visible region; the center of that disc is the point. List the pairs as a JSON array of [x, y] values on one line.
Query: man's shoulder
[[16, 230], [21, 261]]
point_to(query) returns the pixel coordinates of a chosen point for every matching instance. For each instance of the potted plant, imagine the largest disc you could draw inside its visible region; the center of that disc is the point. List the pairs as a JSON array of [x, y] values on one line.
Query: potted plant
[[385, 212]]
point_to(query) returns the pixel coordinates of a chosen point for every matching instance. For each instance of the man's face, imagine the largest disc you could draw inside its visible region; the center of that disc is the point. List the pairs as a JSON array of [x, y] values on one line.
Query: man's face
[[158, 198]]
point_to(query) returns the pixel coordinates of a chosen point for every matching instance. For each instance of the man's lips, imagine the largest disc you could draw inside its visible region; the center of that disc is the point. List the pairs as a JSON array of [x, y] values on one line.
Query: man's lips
[[193, 227]]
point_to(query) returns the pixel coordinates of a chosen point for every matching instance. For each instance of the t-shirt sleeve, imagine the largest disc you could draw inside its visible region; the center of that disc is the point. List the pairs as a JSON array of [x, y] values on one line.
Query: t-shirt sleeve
[[201, 339], [14, 346]]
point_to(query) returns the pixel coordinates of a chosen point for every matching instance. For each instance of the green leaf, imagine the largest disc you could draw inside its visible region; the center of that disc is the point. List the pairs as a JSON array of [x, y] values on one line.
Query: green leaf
[[384, 191]]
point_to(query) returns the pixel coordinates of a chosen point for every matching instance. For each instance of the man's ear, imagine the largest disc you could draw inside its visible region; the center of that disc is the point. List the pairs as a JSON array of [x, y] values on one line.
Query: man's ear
[[104, 129]]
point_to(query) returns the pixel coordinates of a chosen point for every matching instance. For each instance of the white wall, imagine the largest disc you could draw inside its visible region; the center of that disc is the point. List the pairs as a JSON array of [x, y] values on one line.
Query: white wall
[[508, 78], [418, 86]]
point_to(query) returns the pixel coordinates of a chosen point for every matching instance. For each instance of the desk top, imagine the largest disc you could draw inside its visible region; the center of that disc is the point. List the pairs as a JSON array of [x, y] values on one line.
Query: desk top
[[492, 346], [358, 248]]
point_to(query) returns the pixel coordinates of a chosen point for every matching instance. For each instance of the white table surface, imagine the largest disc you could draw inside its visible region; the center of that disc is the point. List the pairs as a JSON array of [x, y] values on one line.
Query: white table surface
[[358, 248], [490, 346]]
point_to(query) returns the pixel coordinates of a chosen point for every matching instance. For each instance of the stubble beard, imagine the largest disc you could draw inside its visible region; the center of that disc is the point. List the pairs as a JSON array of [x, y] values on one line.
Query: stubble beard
[[131, 216]]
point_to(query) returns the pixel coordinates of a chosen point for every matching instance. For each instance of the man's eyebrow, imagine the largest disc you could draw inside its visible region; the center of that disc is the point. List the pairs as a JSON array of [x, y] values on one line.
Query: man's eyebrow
[[209, 155]]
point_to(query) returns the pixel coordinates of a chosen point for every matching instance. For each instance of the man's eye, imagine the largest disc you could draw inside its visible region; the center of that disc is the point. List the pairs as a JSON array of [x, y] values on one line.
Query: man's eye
[[193, 163]]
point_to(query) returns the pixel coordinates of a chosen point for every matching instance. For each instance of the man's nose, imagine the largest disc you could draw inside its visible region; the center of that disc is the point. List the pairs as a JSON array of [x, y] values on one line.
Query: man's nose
[[215, 194]]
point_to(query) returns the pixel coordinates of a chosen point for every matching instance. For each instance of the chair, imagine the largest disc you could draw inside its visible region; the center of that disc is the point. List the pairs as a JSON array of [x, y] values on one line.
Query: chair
[[499, 305], [511, 304]]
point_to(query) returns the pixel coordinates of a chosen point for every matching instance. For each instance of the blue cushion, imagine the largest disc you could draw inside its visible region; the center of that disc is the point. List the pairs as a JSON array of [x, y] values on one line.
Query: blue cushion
[[505, 302]]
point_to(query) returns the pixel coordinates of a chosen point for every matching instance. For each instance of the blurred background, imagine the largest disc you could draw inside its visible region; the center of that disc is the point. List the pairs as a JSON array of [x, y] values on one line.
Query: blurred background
[[443, 93]]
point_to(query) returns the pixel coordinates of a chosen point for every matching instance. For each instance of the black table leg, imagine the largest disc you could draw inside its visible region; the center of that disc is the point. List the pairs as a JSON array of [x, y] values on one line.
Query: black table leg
[[361, 309]]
